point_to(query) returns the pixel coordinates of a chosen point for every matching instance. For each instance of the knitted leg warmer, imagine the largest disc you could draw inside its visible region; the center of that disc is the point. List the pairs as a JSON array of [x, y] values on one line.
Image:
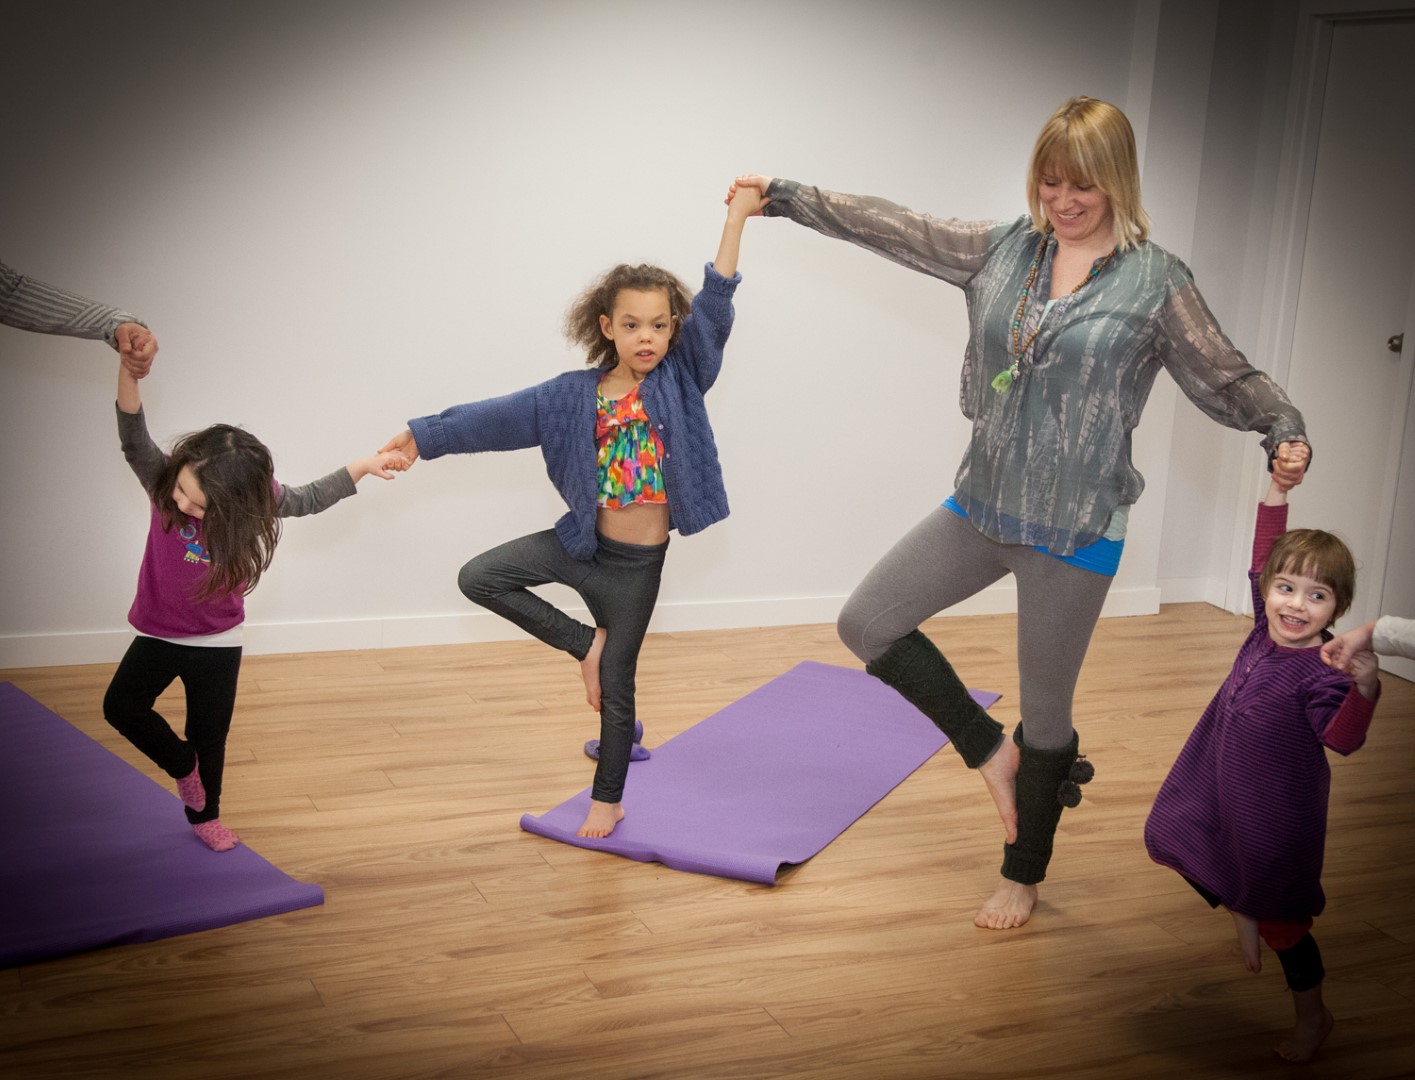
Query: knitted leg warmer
[[1047, 781], [921, 674]]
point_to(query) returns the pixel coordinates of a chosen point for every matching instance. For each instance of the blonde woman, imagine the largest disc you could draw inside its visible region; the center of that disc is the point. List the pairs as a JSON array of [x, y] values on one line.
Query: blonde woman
[[1072, 313]]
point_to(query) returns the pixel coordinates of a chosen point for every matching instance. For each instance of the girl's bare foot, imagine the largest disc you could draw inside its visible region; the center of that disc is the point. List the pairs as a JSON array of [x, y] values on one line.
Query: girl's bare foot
[[999, 773], [1313, 1027], [589, 671], [1010, 906], [601, 819], [1248, 941]]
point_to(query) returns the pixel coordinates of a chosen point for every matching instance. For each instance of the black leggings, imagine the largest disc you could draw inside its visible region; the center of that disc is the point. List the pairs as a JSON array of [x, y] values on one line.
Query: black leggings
[[1301, 962], [620, 587], [209, 677]]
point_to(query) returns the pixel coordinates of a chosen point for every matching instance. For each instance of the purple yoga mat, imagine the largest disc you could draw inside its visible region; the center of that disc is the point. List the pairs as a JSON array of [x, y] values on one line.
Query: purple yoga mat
[[768, 781], [108, 857]]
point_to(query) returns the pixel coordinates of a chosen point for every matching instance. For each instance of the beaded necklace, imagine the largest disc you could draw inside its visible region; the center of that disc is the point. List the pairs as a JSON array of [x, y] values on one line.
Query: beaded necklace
[[1003, 381]]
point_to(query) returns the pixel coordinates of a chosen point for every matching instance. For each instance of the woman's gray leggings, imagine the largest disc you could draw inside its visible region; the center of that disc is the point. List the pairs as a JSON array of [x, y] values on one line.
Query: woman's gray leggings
[[944, 560], [619, 586]]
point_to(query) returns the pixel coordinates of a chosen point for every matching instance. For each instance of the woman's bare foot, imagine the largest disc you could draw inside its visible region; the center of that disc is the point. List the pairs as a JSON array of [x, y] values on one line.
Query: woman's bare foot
[[1314, 1024], [1010, 906], [601, 819], [589, 671], [999, 773], [1248, 941]]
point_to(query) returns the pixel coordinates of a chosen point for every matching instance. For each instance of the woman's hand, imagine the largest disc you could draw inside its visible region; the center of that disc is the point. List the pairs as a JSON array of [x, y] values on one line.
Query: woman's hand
[[137, 345], [750, 180]]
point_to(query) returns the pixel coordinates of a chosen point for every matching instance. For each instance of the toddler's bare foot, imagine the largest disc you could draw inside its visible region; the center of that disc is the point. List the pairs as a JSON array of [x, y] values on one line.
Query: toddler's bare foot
[[1010, 906], [999, 773], [601, 819], [1303, 1042], [589, 671], [1248, 941]]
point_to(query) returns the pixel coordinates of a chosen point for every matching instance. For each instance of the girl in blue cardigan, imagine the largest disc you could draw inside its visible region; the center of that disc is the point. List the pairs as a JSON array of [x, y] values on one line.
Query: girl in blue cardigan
[[628, 445]]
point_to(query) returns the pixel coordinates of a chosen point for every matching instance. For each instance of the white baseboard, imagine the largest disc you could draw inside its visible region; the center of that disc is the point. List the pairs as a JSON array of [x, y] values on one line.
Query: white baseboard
[[1192, 591], [105, 647]]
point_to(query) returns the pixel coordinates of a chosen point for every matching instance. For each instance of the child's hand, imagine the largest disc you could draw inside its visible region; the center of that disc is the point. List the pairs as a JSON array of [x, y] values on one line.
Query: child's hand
[[1364, 670], [745, 200], [1290, 464], [136, 347], [1342, 649], [385, 465], [756, 182], [404, 444]]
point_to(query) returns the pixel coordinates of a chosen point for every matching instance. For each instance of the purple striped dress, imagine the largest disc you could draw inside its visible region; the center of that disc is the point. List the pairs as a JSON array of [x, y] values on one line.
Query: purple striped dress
[[1244, 810]]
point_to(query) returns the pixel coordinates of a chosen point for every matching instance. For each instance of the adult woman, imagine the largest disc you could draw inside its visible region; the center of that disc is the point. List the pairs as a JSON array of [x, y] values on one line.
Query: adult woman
[[1072, 312]]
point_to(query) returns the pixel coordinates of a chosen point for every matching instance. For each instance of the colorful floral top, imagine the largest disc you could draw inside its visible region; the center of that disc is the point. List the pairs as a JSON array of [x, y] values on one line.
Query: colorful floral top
[[629, 453]]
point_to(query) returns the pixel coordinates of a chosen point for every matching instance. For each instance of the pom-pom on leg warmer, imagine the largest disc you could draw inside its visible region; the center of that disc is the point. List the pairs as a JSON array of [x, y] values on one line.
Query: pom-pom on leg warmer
[[1047, 781], [914, 667]]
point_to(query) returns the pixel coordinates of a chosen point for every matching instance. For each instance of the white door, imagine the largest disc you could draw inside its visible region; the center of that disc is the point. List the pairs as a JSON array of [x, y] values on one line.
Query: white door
[[1357, 291]]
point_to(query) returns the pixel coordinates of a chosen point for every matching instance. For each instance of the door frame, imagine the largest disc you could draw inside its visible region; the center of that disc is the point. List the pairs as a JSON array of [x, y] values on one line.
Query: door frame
[[1317, 23]]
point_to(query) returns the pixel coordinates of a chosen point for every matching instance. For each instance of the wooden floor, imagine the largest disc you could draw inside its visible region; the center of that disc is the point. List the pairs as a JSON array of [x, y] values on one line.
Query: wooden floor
[[452, 944]]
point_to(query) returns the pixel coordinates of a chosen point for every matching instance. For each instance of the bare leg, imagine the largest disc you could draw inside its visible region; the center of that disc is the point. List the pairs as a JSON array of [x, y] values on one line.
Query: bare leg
[[1248, 941], [1009, 907], [999, 773], [601, 819], [589, 671], [1314, 1024]]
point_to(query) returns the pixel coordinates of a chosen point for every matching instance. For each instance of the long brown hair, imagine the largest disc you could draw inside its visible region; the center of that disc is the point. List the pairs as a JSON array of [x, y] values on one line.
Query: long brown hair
[[582, 320], [240, 527]]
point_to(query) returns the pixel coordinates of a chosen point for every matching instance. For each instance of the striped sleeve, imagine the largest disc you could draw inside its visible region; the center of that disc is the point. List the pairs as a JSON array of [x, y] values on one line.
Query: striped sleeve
[[1272, 523], [28, 304], [1347, 731]]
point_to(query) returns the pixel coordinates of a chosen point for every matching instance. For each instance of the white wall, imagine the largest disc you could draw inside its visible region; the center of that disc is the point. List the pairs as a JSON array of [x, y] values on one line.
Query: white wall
[[338, 215], [1208, 517]]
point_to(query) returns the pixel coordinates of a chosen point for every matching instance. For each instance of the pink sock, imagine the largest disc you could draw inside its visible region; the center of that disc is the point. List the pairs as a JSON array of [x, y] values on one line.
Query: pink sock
[[190, 789], [216, 836]]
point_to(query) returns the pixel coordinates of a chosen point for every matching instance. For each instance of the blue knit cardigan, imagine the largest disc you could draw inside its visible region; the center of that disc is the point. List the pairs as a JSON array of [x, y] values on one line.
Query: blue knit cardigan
[[558, 415]]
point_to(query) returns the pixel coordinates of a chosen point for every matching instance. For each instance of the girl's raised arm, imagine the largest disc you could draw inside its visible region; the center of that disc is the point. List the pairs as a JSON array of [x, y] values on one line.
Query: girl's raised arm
[[129, 396], [743, 203]]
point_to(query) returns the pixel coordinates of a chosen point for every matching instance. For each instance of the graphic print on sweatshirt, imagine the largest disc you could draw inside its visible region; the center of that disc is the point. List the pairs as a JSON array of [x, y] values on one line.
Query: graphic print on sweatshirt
[[191, 540]]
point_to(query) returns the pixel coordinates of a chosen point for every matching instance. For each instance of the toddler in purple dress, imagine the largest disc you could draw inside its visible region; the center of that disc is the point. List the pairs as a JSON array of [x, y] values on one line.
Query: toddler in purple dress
[[1243, 813]]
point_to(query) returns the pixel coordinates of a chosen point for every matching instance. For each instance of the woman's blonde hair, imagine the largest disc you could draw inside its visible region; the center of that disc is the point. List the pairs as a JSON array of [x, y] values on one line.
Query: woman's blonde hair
[[1090, 142]]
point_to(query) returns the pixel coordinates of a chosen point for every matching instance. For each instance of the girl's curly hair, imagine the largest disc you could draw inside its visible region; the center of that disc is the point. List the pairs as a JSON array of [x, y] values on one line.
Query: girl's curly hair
[[582, 320], [241, 525]]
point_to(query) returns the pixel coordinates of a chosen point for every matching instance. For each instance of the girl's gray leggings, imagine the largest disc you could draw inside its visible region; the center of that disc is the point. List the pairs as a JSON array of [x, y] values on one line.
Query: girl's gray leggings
[[944, 560], [620, 587]]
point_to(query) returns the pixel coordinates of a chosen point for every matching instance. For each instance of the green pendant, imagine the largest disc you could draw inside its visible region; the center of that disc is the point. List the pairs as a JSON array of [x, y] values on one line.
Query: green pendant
[[1003, 382]]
